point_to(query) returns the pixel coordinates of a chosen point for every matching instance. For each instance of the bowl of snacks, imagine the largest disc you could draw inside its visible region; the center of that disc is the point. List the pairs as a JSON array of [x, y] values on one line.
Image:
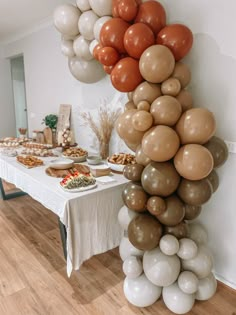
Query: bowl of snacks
[[76, 154], [118, 161]]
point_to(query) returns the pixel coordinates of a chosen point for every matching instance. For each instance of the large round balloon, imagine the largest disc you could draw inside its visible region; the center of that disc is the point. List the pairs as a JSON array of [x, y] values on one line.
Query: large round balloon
[[144, 232], [182, 73], [66, 17], [166, 110], [206, 288], [81, 48], [127, 9], [178, 38], [137, 38], [156, 63], [125, 216], [98, 26], [196, 125], [188, 282], [187, 248], [125, 76], [160, 143], [126, 249], [218, 149], [193, 161], [192, 212], [142, 120], [171, 87], [185, 99], [153, 14], [141, 157], [87, 21], [156, 205], [86, 71], [133, 172], [174, 212], [169, 245], [195, 193], [160, 179], [108, 56], [179, 231], [83, 5], [132, 267], [101, 7], [67, 48], [134, 197], [161, 269], [146, 91]]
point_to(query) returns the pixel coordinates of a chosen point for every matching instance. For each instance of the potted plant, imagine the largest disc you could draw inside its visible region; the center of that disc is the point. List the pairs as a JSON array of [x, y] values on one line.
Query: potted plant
[[50, 121]]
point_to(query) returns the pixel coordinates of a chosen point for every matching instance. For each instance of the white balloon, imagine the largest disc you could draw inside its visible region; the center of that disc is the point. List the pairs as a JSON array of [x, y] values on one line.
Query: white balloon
[[101, 7], [141, 292], [160, 269], [98, 26], [188, 282], [67, 48], [126, 249], [169, 244], [86, 24], [92, 45], [86, 71], [81, 48], [125, 216], [206, 288], [198, 233], [132, 267], [176, 300], [187, 248], [83, 5], [66, 19]]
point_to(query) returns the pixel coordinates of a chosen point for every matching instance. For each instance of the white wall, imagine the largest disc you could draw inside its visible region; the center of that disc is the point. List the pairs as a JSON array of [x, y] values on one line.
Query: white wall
[[213, 64]]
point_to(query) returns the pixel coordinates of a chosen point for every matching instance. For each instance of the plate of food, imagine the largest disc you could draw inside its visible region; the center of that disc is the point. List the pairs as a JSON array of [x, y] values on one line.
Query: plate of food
[[76, 154], [29, 161], [118, 161], [78, 182]]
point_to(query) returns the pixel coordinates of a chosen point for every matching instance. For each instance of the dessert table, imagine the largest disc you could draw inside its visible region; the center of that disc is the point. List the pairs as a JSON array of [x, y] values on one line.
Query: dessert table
[[89, 217]]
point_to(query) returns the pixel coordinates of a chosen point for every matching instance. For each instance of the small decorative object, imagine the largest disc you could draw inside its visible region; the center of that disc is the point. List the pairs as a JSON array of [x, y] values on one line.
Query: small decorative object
[[22, 132], [50, 131]]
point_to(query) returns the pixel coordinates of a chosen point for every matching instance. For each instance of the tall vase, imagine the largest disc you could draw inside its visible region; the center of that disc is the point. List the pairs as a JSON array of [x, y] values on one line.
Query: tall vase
[[104, 149]]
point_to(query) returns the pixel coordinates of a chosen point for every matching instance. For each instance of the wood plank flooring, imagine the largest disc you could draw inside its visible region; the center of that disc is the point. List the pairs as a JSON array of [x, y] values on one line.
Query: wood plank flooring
[[33, 278]]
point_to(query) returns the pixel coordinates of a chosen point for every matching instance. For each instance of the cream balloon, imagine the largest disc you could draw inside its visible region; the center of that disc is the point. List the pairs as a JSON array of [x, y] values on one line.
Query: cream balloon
[[86, 24], [185, 99], [126, 249], [169, 245], [98, 26], [171, 87], [66, 19], [187, 248], [198, 233], [146, 91], [132, 267], [101, 7], [188, 282], [81, 48], [182, 73], [125, 216], [206, 288], [67, 48], [83, 5], [92, 45]]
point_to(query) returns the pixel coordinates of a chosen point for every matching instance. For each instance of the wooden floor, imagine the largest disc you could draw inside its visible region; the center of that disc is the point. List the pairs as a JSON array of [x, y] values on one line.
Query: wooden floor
[[33, 276]]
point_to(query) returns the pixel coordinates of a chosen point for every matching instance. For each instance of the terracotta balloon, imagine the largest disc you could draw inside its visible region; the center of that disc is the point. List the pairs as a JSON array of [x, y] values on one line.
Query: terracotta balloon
[[179, 231], [153, 14], [160, 143], [112, 34], [144, 105], [182, 73], [185, 99], [193, 161], [115, 12], [196, 125], [125, 76], [96, 50], [214, 180], [142, 120], [194, 193], [178, 38], [134, 197], [146, 92], [108, 56], [174, 212], [171, 87], [160, 179], [141, 158], [156, 63], [156, 205], [133, 172], [192, 212], [137, 38], [144, 232], [130, 105], [108, 69], [218, 149], [127, 9], [166, 110]]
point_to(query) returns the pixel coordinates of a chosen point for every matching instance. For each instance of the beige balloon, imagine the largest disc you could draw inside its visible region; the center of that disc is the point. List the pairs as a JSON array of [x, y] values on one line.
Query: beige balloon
[[144, 105], [67, 48], [166, 110], [206, 288], [186, 100], [66, 19], [156, 63], [188, 282], [86, 24], [171, 87], [141, 157], [130, 105], [169, 245], [130, 95], [142, 120], [187, 248], [182, 73], [146, 91], [81, 48]]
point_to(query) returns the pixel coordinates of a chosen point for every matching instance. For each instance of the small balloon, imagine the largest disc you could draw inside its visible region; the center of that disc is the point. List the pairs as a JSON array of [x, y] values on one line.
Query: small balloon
[[198, 233], [133, 172], [192, 212], [67, 48], [130, 105], [108, 56], [125, 216], [134, 197], [214, 180], [132, 267], [179, 231], [188, 282], [185, 99], [156, 205], [169, 245], [206, 288], [127, 9], [218, 149], [81, 48], [126, 249], [142, 120], [101, 7], [187, 249], [171, 87], [83, 5], [182, 73], [87, 21], [174, 212], [144, 105], [146, 91], [66, 19], [141, 157]]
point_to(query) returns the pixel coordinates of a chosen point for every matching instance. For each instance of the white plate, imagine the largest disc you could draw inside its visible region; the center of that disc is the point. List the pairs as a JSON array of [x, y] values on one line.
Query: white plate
[[74, 190], [76, 159], [105, 180], [61, 164], [116, 167]]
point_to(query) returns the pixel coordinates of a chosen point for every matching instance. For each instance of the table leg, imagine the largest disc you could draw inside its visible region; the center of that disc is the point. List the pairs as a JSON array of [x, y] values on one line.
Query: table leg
[[63, 236], [10, 195]]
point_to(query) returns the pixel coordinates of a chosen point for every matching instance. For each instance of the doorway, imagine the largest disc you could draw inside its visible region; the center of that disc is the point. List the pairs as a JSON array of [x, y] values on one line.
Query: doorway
[[19, 95]]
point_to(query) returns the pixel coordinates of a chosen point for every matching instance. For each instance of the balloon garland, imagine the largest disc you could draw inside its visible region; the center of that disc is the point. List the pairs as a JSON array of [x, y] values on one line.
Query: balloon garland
[[175, 147]]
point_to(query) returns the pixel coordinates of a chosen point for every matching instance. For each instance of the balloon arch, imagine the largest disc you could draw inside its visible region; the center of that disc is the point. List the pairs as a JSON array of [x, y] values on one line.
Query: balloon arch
[[163, 252]]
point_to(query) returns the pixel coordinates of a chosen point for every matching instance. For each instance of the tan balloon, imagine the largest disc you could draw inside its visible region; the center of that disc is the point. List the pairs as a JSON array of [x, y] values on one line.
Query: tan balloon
[[171, 87], [144, 105], [196, 125], [146, 91], [174, 212], [130, 95], [214, 180], [134, 197], [193, 161], [141, 158], [133, 172], [192, 212], [179, 231], [132, 146], [130, 105], [166, 110], [186, 100], [142, 120], [160, 143], [182, 73], [156, 205], [156, 63]]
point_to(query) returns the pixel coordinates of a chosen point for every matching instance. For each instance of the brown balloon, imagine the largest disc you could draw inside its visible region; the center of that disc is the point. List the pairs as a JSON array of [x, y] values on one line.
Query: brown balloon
[[160, 179], [166, 110], [156, 205], [142, 120], [179, 231], [144, 105], [196, 125], [160, 143], [192, 212], [171, 87], [214, 180], [194, 193], [146, 91], [134, 197], [141, 157], [218, 149], [193, 161], [133, 172], [182, 73], [130, 105], [144, 232], [174, 213], [186, 100]]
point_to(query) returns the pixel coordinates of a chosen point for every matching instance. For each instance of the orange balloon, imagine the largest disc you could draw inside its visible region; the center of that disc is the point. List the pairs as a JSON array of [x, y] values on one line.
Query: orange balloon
[[112, 34], [137, 38], [96, 51], [142, 120], [125, 76], [178, 38], [115, 12], [153, 14], [108, 69], [127, 9], [193, 162], [108, 56]]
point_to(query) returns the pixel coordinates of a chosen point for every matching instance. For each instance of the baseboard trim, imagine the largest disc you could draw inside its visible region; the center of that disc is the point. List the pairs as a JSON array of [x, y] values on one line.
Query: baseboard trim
[[225, 282]]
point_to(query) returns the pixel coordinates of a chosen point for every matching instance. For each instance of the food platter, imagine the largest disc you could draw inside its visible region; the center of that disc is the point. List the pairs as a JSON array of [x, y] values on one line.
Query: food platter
[[75, 190]]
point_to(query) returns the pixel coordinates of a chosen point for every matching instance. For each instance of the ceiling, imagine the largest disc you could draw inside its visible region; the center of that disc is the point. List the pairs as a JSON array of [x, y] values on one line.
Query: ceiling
[[21, 16]]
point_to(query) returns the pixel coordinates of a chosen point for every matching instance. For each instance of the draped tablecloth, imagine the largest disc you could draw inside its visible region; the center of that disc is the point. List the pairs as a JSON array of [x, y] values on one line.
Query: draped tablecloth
[[90, 217]]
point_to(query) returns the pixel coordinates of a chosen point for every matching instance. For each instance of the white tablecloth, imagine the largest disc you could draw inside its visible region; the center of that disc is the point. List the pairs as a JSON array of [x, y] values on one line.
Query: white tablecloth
[[90, 217]]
